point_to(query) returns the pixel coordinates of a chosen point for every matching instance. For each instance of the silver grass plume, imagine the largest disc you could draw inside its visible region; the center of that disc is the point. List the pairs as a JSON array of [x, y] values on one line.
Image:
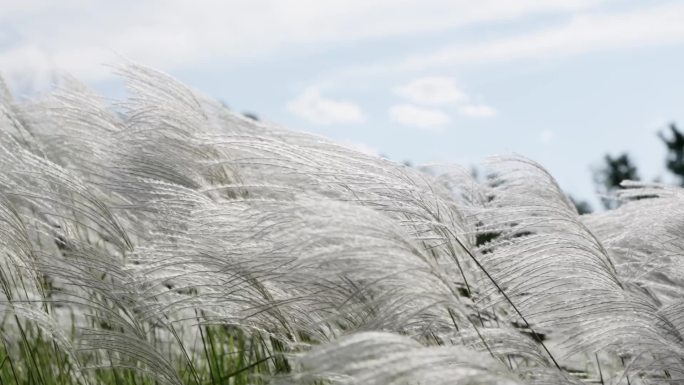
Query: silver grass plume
[[132, 230]]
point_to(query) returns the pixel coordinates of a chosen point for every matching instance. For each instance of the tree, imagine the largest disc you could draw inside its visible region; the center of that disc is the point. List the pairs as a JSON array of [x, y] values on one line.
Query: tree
[[582, 206], [608, 178], [251, 115], [675, 155]]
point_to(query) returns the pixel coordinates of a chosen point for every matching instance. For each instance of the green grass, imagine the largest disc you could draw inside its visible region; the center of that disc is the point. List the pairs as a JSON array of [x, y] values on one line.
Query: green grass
[[228, 356]]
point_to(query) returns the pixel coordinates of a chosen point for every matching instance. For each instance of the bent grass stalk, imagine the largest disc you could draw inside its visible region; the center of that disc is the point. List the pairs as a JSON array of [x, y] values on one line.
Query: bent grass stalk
[[166, 240]]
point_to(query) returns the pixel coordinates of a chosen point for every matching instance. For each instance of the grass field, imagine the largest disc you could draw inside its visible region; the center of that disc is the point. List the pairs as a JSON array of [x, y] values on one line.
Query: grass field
[[163, 239]]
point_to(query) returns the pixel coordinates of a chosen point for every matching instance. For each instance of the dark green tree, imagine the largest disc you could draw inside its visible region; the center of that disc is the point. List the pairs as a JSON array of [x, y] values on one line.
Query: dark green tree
[[251, 115], [583, 207], [608, 178], [675, 152]]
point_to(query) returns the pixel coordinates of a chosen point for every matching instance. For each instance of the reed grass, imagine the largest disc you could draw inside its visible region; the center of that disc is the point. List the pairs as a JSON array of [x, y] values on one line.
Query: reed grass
[[163, 239]]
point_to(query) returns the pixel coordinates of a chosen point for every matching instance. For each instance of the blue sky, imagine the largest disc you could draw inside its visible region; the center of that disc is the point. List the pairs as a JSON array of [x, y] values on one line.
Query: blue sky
[[560, 81]]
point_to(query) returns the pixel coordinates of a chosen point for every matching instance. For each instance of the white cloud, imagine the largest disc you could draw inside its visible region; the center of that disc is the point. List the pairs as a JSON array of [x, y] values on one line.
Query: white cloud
[[654, 25], [16, 8], [424, 118], [546, 136], [435, 90], [171, 34], [432, 90], [315, 108], [477, 111]]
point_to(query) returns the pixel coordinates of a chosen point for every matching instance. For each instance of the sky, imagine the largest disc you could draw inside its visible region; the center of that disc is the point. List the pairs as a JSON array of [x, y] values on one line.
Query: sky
[[562, 82]]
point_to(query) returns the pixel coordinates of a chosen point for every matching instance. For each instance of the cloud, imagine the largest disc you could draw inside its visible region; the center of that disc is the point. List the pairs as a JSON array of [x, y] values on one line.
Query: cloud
[[435, 90], [654, 25], [424, 118], [315, 108], [173, 34], [432, 90], [31, 64], [477, 111]]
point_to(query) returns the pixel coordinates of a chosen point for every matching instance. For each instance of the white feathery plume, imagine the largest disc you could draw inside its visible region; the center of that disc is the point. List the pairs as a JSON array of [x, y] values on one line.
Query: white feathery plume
[[149, 221]]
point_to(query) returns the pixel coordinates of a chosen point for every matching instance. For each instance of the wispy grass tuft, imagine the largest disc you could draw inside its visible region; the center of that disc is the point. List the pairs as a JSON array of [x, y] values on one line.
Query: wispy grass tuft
[[163, 239]]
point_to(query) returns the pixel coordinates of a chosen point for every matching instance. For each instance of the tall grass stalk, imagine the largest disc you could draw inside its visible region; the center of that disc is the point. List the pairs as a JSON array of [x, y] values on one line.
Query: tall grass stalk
[[163, 239]]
